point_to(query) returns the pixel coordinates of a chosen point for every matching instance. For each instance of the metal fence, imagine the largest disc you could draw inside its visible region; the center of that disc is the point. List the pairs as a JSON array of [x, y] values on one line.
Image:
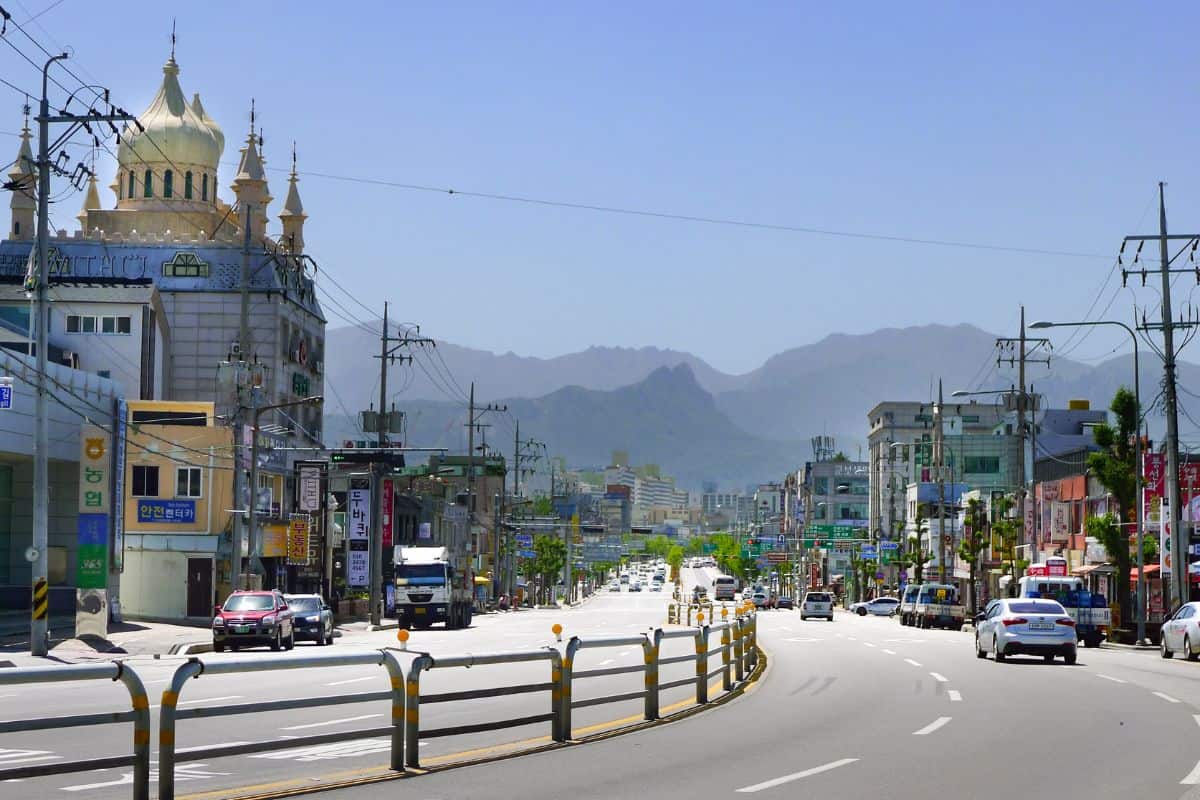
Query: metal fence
[[736, 648]]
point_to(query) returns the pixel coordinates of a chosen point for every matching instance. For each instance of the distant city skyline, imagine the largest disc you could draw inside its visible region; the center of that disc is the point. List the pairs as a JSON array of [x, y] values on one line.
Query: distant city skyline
[[1030, 130]]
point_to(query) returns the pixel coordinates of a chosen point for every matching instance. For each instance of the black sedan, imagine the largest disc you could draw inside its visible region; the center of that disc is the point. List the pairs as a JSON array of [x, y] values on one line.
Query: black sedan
[[313, 617]]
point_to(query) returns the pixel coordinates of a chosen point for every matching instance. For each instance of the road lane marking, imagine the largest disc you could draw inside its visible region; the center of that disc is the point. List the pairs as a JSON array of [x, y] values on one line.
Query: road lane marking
[[1166, 697], [329, 722], [351, 680], [914, 663], [931, 727], [955, 697], [803, 639], [1110, 678], [10, 757], [889, 652], [205, 700], [851, 638], [795, 776], [868, 644], [937, 676]]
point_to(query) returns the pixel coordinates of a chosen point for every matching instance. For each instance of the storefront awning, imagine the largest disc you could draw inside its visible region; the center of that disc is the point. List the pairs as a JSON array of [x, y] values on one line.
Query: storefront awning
[[1098, 569]]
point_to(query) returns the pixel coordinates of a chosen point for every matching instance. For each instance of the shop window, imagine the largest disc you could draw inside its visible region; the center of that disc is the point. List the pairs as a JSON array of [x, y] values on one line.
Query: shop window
[[187, 482]]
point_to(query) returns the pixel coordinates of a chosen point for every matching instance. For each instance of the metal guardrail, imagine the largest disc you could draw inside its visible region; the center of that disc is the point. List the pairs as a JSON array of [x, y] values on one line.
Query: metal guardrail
[[195, 667], [139, 714], [737, 649]]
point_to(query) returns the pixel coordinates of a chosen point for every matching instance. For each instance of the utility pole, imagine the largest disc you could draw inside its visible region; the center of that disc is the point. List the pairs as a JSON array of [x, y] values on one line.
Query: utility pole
[[939, 452], [1179, 538], [472, 422], [39, 623], [1025, 348]]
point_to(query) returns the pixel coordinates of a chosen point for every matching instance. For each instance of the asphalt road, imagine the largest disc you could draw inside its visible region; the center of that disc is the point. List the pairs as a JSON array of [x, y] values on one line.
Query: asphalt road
[[608, 613], [862, 707]]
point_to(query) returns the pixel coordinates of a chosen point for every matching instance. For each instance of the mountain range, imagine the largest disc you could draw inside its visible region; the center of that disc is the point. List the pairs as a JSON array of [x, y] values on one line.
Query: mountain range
[[699, 424]]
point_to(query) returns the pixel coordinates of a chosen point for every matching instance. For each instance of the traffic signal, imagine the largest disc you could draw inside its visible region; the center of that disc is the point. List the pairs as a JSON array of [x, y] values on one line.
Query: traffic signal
[[750, 542]]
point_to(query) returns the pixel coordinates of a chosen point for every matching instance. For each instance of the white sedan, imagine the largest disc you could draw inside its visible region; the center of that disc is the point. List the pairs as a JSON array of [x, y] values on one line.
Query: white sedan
[[1025, 626], [1182, 632], [880, 607]]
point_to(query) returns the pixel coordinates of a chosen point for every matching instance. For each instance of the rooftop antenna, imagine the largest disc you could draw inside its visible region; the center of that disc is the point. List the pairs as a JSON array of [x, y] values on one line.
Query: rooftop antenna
[[251, 116], [172, 38]]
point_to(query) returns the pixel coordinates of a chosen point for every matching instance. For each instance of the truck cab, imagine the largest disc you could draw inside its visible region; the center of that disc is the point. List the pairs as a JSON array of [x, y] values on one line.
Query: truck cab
[[428, 589], [1090, 610], [908, 604]]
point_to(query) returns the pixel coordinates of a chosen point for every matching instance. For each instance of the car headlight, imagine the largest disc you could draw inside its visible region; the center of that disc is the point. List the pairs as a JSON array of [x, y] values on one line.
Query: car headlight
[[315, 618], [268, 620], [218, 622]]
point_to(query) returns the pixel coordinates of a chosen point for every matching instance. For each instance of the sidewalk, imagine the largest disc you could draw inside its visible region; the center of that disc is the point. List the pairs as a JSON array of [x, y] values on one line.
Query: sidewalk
[[124, 640]]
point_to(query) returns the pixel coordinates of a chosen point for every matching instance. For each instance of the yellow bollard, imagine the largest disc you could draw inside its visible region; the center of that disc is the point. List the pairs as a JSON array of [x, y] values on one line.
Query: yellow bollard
[[557, 631], [700, 619], [724, 613], [402, 635]]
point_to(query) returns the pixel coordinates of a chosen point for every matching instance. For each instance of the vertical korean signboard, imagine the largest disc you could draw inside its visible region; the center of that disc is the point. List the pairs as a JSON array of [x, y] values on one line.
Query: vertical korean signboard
[[297, 540], [385, 505], [358, 557], [91, 568]]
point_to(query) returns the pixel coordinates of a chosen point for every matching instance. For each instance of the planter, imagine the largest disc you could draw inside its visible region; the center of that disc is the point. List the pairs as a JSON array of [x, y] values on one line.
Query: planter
[[360, 608], [344, 609]]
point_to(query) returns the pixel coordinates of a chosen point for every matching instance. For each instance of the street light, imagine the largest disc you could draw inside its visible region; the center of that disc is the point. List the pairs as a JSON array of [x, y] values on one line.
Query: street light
[[1137, 400], [252, 495]]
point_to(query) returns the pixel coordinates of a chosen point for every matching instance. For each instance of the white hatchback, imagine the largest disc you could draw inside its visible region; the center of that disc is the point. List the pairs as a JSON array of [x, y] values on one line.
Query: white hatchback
[[817, 604]]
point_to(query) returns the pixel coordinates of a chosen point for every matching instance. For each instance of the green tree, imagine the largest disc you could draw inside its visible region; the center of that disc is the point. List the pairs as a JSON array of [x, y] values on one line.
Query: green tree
[[1009, 530], [675, 561], [549, 557], [695, 546], [658, 546], [1115, 468], [543, 507], [975, 538]]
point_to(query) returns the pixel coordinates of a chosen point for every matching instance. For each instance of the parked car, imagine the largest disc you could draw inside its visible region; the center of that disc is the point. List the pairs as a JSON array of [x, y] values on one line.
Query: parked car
[[880, 607], [785, 601], [313, 617], [1182, 632], [817, 604], [1025, 626], [248, 619]]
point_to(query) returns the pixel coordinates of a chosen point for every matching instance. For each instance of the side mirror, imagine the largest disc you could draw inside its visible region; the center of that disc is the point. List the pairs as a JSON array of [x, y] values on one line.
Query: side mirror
[[979, 618], [216, 611]]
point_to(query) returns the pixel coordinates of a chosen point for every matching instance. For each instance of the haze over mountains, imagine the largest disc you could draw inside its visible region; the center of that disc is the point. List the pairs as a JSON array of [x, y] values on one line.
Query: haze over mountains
[[673, 409]]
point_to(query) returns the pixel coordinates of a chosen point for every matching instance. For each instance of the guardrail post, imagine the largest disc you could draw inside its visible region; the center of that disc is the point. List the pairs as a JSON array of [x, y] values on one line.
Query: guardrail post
[[702, 664], [412, 711], [166, 727], [752, 655], [568, 672], [650, 656], [560, 693], [726, 643], [141, 729], [739, 661], [396, 675]]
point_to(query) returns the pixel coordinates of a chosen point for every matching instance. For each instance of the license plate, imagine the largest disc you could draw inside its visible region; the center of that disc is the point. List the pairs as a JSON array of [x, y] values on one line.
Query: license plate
[[1041, 626], [418, 611], [241, 628]]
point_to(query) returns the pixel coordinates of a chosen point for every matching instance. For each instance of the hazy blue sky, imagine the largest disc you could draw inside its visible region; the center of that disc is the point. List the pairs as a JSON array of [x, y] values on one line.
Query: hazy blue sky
[[1037, 125]]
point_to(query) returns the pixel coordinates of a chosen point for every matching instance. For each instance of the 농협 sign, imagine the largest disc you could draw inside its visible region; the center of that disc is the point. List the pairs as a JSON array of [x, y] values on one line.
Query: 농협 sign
[[358, 559], [178, 512], [95, 476], [92, 543]]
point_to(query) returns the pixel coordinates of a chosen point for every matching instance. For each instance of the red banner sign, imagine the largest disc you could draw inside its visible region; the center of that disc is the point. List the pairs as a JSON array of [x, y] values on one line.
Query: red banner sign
[[386, 519]]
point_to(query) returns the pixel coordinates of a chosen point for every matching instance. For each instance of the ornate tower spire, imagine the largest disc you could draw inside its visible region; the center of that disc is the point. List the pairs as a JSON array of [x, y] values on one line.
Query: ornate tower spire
[[24, 196], [293, 215], [250, 183]]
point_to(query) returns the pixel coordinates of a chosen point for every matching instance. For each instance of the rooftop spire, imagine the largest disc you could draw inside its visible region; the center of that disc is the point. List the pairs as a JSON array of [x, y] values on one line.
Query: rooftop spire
[[172, 38]]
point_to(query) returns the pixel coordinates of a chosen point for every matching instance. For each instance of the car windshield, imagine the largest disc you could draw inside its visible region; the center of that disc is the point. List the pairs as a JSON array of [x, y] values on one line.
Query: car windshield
[[305, 604], [1044, 607], [250, 602], [818, 598]]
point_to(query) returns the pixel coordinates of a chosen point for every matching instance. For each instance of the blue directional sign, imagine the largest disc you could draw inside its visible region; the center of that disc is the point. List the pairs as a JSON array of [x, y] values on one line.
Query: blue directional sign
[[6, 396]]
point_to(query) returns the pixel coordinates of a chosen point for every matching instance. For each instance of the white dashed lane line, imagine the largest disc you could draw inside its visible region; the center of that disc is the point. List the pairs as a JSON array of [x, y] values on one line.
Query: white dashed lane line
[[352, 680], [1110, 678], [890, 652], [931, 727], [795, 776], [940, 678], [955, 696], [329, 722], [1166, 697], [868, 644], [914, 663]]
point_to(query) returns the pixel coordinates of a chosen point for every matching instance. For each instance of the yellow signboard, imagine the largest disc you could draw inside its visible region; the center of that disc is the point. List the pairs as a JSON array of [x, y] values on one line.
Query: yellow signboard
[[297, 540], [274, 541]]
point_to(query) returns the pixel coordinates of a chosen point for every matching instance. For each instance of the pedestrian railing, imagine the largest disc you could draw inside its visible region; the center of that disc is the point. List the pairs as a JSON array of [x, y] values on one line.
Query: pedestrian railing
[[734, 643], [139, 715], [194, 668]]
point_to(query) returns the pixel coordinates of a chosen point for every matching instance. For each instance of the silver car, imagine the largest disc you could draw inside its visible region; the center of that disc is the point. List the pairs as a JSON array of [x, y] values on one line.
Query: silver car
[[1025, 626], [1182, 632], [817, 604]]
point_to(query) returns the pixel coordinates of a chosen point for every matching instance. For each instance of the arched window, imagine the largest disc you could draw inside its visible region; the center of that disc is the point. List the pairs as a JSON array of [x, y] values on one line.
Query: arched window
[[187, 185], [148, 185], [168, 183], [204, 187], [129, 194]]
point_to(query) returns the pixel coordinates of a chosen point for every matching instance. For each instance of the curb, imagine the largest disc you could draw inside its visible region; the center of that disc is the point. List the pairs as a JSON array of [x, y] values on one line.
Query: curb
[[190, 648]]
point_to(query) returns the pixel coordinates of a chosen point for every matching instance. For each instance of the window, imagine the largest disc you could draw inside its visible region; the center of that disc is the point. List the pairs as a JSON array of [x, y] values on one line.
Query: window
[[148, 184], [73, 323], [124, 324], [168, 183], [104, 373], [77, 323], [187, 185], [129, 193], [108, 324], [145, 481], [981, 464], [187, 482], [89, 324], [204, 187]]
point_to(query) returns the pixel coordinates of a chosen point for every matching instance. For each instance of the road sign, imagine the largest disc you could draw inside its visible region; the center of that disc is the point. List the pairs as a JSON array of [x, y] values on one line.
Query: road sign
[[781, 539], [524, 540], [525, 554], [889, 545], [777, 558], [6, 394], [836, 531], [879, 576]]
